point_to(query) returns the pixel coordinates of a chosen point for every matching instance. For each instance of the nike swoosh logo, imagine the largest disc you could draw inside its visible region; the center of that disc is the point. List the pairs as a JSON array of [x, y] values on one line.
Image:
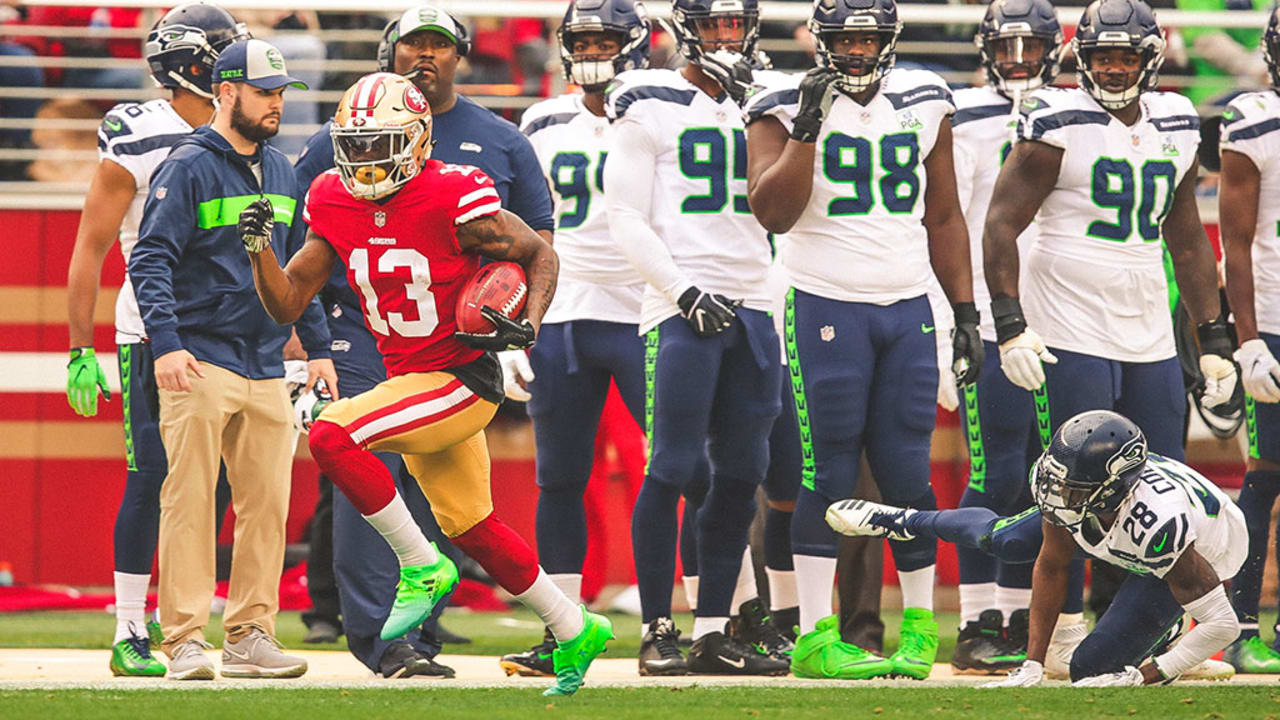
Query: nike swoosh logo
[[1158, 548], [739, 663], [926, 329], [234, 654], [113, 125]]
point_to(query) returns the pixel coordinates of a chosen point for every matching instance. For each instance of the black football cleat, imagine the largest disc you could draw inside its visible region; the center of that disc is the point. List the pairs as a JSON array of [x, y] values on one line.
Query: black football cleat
[[402, 660], [534, 662], [660, 650], [719, 654], [981, 647], [754, 627]]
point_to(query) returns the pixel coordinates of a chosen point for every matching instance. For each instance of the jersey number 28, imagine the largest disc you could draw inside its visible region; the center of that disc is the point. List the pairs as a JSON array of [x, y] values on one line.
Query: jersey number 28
[[418, 290]]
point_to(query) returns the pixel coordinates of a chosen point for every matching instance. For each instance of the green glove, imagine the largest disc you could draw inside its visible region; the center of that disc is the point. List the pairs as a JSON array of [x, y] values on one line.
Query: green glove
[[83, 374]]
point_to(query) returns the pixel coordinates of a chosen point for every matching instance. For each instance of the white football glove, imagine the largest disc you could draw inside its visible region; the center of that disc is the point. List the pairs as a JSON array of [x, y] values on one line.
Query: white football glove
[[1130, 676], [1021, 358], [1219, 379], [295, 377], [308, 406], [1030, 673], [1259, 371], [516, 373], [948, 397]]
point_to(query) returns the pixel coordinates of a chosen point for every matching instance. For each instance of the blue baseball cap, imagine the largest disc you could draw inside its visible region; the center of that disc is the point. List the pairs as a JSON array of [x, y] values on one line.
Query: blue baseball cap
[[255, 62]]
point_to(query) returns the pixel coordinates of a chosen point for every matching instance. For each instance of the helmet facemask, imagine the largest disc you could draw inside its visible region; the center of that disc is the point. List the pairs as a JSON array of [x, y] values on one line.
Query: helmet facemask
[[1271, 55], [857, 72], [1151, 55], [1029, 61], [204, 53], [374, 163], [734, 31], [592, 71]]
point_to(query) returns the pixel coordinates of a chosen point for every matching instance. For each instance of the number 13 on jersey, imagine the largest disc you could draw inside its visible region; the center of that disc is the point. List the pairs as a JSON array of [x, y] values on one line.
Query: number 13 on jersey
[[417, 291]]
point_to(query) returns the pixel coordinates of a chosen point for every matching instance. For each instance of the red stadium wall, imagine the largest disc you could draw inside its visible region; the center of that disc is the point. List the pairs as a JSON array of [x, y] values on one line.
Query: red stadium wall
[[61, 476]]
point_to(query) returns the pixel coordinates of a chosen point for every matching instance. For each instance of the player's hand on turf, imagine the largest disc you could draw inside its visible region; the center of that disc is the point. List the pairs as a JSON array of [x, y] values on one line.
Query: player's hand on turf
[[1028, 674], [707, 314], [256, 223], [509, 335], [85, 379], [816, 96], [171, 371], [1130, 676], [1259, 371], [732, 71], [516, 374], [322, 369], [966, 344]]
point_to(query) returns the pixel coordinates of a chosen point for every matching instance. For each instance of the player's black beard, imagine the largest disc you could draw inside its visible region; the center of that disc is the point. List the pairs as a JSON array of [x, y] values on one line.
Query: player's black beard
[[250, 130]]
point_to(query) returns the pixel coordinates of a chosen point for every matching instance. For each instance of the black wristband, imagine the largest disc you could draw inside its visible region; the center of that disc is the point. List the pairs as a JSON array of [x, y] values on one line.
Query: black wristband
[[1007, 313], [804, 131], [965, 312], [1215, 338]]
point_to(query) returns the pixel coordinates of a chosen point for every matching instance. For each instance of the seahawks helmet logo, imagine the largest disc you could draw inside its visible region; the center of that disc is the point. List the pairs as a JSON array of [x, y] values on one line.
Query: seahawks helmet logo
[[1130, 456]]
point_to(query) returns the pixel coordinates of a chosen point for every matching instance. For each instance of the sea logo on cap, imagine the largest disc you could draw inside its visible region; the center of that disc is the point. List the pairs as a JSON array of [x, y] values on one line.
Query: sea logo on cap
[[414, 100], [275, 59], [428, 15]]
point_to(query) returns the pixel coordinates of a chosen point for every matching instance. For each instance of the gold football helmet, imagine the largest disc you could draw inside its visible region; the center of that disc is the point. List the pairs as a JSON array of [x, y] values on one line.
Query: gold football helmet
[[381, 135]]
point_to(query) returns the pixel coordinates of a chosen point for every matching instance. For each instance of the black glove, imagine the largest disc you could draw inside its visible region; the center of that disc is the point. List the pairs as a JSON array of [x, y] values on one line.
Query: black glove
[[816, 97], [732, 71], [708, 314], [966, 344], [509, 335], [256, 223], [1215, 339]]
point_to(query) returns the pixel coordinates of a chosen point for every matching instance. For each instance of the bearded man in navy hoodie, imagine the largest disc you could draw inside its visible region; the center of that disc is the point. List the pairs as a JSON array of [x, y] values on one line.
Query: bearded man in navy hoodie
[[219, 368]]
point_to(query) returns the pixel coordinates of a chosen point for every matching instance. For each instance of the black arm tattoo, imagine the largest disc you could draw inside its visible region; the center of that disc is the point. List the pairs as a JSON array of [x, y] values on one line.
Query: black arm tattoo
[[504, 236]]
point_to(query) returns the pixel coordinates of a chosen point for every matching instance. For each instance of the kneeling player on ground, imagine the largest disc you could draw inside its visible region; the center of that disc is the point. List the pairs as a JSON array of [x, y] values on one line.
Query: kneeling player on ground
[[1097, 489], [412, 232]]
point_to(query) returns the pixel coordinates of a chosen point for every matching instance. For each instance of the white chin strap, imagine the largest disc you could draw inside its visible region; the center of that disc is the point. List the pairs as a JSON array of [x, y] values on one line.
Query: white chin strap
[[1022, 85], [187, 84], [1114, 100], [591, 72]]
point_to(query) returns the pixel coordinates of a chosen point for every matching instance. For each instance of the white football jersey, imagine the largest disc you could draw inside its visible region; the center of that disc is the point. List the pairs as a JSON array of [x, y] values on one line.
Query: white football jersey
[[596, 281], [1249, 127], [137, 136], [984, 128], [1171, 507], [860, 239], [699, 207], [1094, 281]]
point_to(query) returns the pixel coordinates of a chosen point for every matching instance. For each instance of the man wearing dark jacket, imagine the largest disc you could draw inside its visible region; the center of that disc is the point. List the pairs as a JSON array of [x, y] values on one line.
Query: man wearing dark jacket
[[219, 369]]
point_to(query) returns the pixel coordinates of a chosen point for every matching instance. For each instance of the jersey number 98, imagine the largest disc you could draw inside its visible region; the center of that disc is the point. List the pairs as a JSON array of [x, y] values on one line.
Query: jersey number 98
[[850, 160]]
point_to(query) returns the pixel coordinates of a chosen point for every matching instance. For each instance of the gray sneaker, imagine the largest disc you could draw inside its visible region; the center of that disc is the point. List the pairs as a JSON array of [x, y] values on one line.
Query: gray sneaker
[[257, 655], [187, 661]]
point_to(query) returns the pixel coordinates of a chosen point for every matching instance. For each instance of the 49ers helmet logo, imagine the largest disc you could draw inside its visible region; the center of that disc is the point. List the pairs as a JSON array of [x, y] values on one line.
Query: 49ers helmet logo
[[414, 101]]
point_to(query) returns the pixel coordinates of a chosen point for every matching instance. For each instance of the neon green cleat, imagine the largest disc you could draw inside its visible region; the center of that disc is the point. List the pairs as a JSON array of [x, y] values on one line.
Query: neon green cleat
[[1252, 656], [917, 644], [420, 588], [132, 657], [572, 658], [155, 633], [822, 654]]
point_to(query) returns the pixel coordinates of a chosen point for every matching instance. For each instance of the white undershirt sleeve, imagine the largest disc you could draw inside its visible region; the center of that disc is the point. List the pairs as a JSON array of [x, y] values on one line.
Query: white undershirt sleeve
[[628, 179], [1216, 627]]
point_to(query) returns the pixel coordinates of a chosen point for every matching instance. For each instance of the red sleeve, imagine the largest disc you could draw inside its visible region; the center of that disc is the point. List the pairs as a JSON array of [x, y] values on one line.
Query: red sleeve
[[317, 210], [470, 194]]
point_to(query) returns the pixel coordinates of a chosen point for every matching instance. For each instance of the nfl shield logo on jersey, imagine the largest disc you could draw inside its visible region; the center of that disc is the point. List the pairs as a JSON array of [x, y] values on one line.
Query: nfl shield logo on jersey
[[827, 333], [380, 218]]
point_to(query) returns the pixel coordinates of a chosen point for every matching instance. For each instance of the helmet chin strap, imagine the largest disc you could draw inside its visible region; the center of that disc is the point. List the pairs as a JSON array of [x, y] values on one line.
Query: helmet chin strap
[[188, 85]]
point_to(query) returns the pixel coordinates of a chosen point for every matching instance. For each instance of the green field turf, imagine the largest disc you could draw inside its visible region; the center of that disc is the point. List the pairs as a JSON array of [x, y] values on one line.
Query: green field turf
[[702, 703]]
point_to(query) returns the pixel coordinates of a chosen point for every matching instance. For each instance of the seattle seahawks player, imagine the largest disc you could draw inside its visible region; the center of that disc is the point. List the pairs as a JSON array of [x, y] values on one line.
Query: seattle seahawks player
[[677, 208], [1098, 490], [132, 140], [1019, 43], [870, 216], [1249, 219], [1110, 168]]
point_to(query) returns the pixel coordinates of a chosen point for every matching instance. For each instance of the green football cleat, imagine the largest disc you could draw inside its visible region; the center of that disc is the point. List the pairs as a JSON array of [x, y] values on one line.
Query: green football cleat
[[132, 657], [155, 633], [572, 658], [421, 587], [917, 644], [821, 654], [1252, 656]]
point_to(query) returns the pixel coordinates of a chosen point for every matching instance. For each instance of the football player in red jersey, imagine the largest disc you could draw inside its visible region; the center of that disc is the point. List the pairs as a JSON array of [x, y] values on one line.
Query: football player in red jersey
[[412, 232]]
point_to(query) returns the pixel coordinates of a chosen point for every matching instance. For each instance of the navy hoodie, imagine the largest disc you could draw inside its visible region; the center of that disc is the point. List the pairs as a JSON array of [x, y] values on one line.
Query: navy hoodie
[[190, 270]]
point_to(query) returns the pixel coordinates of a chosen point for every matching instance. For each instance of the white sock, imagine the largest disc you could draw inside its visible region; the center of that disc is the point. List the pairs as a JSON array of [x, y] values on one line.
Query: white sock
[[397, 527], [131, 604], [707, 625], [782, 589], [690, 591], [1010, 599], [917, 588], [746, 588], [570, 584], [974, 598], [556, 610], [815, 576], [1066, 619]]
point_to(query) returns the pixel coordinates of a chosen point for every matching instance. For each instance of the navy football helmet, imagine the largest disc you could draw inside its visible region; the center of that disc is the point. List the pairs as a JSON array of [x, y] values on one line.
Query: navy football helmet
[[742, 15], [188, 36], [625, 18], [1127, 24], [1090, 467], [1013, 22], [1271, 46], [833, 16]]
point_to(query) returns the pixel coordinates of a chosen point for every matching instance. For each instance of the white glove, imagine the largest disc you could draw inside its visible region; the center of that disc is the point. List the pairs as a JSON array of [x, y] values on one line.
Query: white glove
[[308, 406], [1028, 674], [1130, 676], [948, 397], [516, 373], [1259, 371], [1021, 358], [1219, 379], [295, 376]]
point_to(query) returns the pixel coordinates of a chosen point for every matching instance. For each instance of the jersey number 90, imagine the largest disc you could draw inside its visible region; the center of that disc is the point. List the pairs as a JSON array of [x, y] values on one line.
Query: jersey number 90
[[1115, 187]]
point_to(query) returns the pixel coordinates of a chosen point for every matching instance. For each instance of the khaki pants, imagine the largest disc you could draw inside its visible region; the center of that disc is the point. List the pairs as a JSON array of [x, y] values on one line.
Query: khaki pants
[[247, 423]]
